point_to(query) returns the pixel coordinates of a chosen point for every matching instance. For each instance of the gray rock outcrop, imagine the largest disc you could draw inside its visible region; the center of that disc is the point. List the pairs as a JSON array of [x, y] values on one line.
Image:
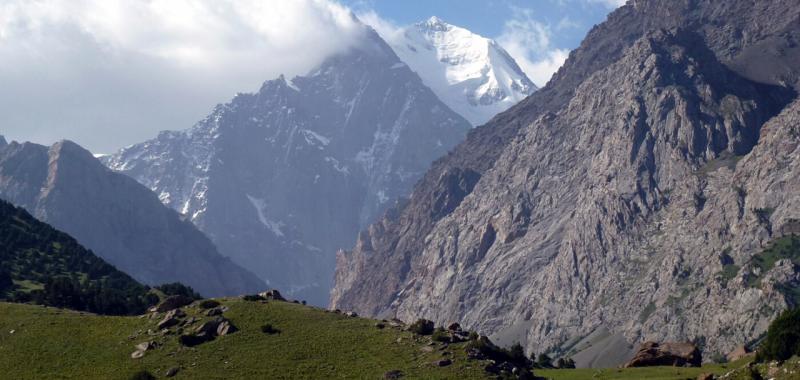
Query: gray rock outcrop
[[629, 195]]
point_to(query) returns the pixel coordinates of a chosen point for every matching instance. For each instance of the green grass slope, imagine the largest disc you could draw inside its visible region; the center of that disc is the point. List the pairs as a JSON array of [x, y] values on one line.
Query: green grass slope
[[50, 343], [47, 343]]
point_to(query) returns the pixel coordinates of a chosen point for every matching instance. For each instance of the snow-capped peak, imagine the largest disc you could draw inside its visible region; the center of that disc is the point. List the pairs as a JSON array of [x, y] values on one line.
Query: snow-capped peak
[[472, 74]]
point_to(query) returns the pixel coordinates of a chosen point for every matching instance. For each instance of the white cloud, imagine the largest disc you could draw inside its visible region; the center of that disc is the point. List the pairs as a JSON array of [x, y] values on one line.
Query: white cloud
[[111, 72], [530, 43], [610, 3]]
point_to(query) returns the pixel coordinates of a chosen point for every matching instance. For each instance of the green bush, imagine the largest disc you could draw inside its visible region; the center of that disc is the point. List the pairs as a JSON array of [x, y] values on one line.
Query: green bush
[[440, 335], [544, 361], [253, 298], [783, 338], [143, 375], [178, 289], [269, 329], [208, 304], [422, 327]]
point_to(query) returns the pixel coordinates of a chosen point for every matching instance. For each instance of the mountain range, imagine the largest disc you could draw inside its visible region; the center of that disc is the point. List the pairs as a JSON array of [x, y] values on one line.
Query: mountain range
[[639, 196], [283, 178], [120, 220]]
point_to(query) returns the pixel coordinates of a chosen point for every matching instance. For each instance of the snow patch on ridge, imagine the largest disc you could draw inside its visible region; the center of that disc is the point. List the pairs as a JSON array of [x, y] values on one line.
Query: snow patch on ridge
[[260, 206]]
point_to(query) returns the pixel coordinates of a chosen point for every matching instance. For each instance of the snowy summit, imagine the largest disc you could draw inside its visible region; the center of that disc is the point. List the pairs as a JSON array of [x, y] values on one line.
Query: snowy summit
[[472, 74]]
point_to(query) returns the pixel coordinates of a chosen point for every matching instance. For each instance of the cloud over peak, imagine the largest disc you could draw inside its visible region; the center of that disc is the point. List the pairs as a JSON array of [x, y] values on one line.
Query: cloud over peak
[[78, 66]]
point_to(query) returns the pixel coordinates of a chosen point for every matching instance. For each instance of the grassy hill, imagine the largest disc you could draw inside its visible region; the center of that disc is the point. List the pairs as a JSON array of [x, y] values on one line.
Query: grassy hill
[[49, 343], [42, 265]]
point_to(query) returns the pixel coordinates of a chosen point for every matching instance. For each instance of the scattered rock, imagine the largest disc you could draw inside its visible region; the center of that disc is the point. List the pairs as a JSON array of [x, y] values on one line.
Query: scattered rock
[[226, 327], [145, 346], [173, 302], [380, 326], [171, 319], [427, 349], [137, 354], [444, 362], [666, 354], [214, 312], [475, 354], [393, 375], [172, 372], [454, 327], [273, 294], [351, 314], [209, 327], [706, 376]]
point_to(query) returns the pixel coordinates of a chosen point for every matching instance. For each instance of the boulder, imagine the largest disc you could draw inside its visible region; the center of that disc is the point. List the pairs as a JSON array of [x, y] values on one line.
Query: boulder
[[214, 312], [171, 319], [739, 353], [706, 376], [172, 372], [444, 362], [273, 294], [226, 327], [145, 346], [173, 302], [455, 326], [351, 314], [209, 327], [137, 354], [666, 354]]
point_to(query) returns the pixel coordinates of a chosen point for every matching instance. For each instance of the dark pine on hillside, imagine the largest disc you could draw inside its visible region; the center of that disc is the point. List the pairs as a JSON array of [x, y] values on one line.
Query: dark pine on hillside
[[42, 265]]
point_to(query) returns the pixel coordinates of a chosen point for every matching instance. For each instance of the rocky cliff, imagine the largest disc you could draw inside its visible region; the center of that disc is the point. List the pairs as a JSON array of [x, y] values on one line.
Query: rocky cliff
[[117, 218], [629, 195]]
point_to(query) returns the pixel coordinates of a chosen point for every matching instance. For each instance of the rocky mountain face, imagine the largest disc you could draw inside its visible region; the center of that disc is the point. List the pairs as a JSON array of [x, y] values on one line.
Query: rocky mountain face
[[120, 220], [472, 74], [627, 200], [283, 178]]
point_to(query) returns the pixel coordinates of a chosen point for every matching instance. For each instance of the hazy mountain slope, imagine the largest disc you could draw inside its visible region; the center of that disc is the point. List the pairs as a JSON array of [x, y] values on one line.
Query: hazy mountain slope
[[472, 74], [551, 219], [119, 219], [42, 265], [283, 178]]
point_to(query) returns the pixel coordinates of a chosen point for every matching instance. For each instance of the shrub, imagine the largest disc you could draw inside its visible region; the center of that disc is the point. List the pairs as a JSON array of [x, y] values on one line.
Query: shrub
[[422, 327], [440, 335], [269, 329], [565, 363], [516, 355], [783, 338], [178, 289], [253, 298], [208, 304], [544, 361], [143, 375], [473, 335]]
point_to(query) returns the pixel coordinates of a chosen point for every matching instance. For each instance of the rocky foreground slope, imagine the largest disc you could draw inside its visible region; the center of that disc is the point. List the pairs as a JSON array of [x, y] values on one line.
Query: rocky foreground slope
[[117, 218], [630, 195]]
